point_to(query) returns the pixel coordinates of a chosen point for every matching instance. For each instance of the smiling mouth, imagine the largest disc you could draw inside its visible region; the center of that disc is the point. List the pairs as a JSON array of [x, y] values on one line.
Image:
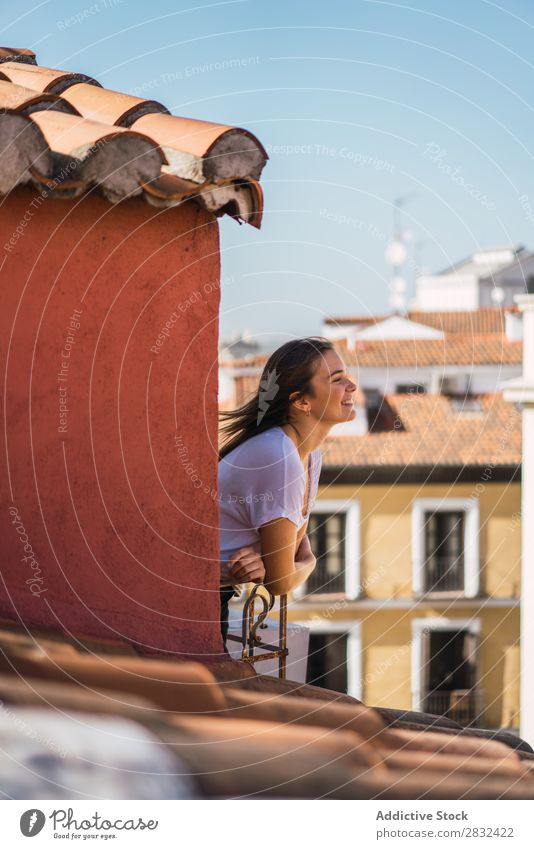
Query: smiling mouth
[[347, 403]]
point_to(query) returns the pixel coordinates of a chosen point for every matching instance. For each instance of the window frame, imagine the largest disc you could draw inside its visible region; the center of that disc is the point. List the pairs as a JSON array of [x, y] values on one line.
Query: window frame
[[470, 507], [419, 662], [351, 509], [353, 629]]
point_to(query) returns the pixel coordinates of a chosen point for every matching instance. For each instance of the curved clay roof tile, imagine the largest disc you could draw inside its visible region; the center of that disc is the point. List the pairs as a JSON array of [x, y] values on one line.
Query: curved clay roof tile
[[199, 150], [243, 201], [43, 79], [118, 160], [23, 151], [17, 54], [17, 98], [110, 107], [81, 134]]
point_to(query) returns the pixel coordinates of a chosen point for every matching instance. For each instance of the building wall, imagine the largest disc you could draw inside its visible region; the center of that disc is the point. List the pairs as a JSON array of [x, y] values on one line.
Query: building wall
[[480, 379], [387, 607], [386, 646], [446, 292], [108, 460], [386, 533]]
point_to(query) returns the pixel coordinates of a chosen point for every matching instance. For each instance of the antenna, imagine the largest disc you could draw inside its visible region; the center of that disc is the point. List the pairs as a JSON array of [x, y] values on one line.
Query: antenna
[[395, 256]]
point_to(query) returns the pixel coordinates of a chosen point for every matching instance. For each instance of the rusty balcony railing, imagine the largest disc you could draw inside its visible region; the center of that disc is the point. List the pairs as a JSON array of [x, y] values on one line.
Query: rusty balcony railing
[[250, 638], [463, 706]]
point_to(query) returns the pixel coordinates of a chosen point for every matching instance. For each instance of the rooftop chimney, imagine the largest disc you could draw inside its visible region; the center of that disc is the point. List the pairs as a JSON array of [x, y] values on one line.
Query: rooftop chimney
[[513, 326]]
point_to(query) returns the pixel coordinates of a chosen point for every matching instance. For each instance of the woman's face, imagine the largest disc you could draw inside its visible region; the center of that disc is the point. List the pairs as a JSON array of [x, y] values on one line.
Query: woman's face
[[333, 390]]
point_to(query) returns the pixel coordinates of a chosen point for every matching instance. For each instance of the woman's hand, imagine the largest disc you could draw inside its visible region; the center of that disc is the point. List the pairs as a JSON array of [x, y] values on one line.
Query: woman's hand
[[246, 565]]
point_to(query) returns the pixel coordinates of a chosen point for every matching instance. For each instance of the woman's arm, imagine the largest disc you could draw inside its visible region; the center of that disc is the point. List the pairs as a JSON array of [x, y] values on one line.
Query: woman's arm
[[305, 554], [283, 569]]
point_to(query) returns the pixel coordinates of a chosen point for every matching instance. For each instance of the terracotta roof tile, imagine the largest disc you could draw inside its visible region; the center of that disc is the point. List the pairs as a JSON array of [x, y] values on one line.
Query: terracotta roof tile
[[435, 434], [17, 98], [17, 54], [66, 134], [187, 687], [203, 151], [125, 145], [225, 195], [484, 320], [294, 741], [428, 430], [457, 349], [109, 107], [25, 156], [340, 320], [116, 159], [41, 79]]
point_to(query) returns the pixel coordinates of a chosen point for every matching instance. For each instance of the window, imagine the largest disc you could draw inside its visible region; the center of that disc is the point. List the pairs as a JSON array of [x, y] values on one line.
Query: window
[[444, 550], [333, 531], [445, 668], [466, 404], [327, 661], [410, 389], [445, 546], [327, 538], [449, 386], [380, 416], [334, 655]]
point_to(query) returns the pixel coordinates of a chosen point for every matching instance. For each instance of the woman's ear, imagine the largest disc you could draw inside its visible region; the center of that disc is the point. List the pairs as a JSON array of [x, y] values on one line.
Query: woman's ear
[[297, 401]]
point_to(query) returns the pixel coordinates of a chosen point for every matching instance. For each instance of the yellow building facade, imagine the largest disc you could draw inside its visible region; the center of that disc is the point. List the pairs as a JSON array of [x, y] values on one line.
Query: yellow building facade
[[392, 640]]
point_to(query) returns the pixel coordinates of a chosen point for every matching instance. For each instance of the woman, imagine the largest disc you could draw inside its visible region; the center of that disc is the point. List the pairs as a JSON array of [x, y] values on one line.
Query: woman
[[270, 463]]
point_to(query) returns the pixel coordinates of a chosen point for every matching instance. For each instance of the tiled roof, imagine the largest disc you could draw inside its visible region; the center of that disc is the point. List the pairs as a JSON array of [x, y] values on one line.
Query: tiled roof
[[63, 131], [237, 734], [456, 349], [340, 320], [474, 322], [429, 431]]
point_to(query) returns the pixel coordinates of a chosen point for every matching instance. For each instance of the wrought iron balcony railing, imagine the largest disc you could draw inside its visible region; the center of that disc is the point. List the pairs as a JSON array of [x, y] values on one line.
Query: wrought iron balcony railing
[[463, 706], [444, 574], [251, 640]]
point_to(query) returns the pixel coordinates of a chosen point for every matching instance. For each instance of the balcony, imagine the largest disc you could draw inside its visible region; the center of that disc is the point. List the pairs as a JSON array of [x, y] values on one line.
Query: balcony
[[444, 575], [462, 706]]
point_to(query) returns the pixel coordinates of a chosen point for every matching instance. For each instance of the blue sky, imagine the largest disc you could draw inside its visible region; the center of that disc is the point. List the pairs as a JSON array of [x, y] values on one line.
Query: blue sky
[[358, 103]]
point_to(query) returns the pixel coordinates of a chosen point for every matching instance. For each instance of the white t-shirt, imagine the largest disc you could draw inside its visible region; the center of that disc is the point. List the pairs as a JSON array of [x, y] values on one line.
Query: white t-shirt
[[261, 480]]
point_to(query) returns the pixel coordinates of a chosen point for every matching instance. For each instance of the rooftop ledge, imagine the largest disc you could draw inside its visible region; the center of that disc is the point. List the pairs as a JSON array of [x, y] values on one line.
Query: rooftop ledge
[[519, 390]]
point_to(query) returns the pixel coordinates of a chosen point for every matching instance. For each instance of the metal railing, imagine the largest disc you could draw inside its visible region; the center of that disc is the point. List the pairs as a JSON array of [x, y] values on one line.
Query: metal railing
[[463, 706], [444, 574], [249, 637]]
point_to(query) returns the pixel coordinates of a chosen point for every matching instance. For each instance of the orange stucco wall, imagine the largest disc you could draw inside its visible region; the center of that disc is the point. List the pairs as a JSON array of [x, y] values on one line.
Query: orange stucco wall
[[108, 450]]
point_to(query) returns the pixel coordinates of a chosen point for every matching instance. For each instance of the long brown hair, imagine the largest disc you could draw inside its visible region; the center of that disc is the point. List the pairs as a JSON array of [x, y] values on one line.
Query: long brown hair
[[289, 369]]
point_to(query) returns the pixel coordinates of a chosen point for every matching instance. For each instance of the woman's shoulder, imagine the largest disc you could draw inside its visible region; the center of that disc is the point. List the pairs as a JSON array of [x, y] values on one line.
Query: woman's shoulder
[[263, 450]]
